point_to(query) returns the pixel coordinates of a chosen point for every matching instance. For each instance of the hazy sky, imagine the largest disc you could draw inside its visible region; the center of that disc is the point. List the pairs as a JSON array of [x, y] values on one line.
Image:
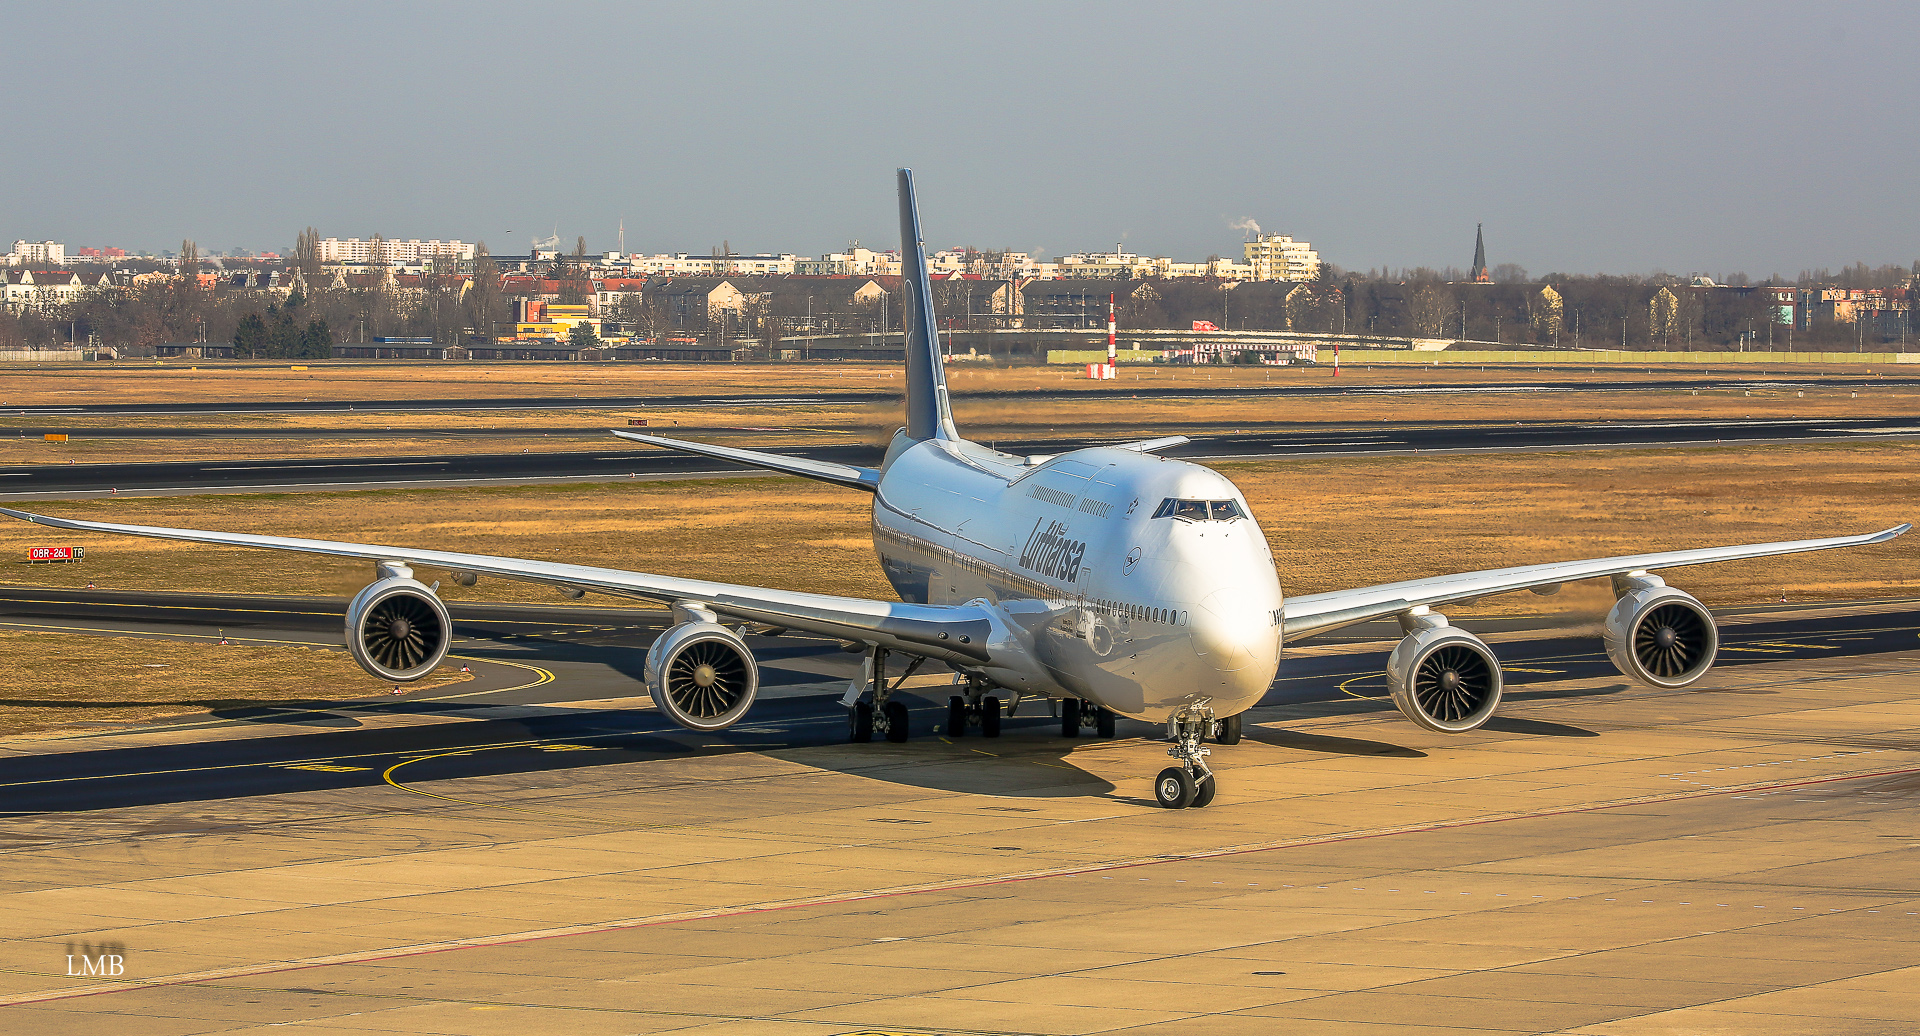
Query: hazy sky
[[1618, 137]]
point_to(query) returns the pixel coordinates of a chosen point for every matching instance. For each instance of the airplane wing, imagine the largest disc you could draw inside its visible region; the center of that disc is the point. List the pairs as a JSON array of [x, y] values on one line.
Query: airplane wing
[[948, 633], [819, 470], [1318, 613]]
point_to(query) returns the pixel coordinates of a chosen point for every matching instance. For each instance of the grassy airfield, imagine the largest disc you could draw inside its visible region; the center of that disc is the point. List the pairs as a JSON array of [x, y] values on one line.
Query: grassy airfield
[[1332, 522], [65, 680]]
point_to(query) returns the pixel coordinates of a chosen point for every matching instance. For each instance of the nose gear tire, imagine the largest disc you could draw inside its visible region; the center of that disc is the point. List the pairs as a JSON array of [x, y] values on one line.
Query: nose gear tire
[[1070, 718], [860, 723], [989, 717], [1174, 788], [957, 716], [1203, 792], [1104, 723]]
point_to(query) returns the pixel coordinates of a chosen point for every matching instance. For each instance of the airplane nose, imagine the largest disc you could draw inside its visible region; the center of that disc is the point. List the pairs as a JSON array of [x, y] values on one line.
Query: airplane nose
[[1232, 630]]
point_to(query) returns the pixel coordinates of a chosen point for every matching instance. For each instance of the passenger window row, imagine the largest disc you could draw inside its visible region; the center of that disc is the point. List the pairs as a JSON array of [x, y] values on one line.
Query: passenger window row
[[1141, 613]]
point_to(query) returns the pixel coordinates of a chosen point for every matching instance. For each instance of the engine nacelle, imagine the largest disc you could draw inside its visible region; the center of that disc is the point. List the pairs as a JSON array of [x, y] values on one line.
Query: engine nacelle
[[397, 629], [1444, 679], [1661, 636], [702, 675]]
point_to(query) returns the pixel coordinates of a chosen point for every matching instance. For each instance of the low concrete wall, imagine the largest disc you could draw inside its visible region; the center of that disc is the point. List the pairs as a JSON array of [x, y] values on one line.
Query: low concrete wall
[[1561, 356], [1519, 356], [45, 355]]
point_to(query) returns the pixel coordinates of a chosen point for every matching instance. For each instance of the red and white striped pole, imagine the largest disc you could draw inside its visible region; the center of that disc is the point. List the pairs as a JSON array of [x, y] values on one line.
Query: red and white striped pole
[[1111, 354], [1336, 359]]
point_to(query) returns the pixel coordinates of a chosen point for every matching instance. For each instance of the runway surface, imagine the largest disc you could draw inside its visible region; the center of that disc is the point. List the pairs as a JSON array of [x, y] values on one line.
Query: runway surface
[[618, 460], [1713, 379], [1607, 860], [595, 654]]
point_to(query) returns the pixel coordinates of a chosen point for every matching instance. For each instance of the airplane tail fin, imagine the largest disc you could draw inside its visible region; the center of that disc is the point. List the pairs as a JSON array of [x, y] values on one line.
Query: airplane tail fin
[[928, 415]]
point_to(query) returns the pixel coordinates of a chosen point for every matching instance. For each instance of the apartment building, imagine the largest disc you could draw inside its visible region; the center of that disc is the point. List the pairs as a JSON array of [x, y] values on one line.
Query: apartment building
[[354, 250], [1277, 257], [43, 253]]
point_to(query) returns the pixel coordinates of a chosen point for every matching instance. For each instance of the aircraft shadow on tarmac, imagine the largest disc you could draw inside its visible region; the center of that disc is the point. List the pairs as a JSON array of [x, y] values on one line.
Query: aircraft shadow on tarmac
[[1280, 737]]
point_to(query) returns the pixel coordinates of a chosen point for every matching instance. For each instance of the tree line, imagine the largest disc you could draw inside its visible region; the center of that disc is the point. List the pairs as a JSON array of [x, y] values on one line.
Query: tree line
[[1656, 311]]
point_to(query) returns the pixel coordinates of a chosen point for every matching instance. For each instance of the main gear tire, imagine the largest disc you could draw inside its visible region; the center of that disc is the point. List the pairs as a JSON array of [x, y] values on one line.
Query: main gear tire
[[896, 713]]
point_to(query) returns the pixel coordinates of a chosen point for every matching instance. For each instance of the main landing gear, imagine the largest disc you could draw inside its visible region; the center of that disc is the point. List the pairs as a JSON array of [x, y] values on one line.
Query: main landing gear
[[973, 708], [1076, 715], [1191, 783], [888, 717], [883, 714]]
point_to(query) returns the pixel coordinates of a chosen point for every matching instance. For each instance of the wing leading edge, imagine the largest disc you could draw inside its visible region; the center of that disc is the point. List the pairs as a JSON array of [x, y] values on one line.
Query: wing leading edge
[[1318, 613], [949, 633]]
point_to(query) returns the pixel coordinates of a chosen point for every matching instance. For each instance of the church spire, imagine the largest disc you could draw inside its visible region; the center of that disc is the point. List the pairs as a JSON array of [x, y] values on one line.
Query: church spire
[[1479, 273]]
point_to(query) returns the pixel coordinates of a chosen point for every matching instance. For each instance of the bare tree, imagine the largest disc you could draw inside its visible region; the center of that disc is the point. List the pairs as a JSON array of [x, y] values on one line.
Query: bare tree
[[483, 299], [306, 258], [1430, 306]]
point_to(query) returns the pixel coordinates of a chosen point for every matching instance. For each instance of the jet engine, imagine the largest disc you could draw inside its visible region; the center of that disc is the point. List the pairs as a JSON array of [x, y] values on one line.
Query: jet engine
[[1659, 635], [702, 675], [1442, 678], [397, 629]]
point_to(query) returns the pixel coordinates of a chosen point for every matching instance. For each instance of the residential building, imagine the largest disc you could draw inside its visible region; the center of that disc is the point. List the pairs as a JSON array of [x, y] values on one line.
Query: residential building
[[1849, 305], [412, 252], [682, 264], [37, 252], [1277, 257], [854, 262], [46, 289]]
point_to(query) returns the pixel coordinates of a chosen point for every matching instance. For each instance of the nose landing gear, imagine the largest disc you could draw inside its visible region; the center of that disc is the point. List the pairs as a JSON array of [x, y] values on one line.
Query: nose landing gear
[[1191, 783]]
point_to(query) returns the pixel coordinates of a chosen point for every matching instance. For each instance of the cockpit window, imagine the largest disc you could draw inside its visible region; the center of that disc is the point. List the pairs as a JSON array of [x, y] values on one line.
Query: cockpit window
[[1199, 510]]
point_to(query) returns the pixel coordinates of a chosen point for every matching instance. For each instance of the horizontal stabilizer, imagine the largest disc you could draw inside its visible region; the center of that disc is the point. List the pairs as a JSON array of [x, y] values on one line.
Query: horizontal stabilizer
[[1165, 442], [819, 470]]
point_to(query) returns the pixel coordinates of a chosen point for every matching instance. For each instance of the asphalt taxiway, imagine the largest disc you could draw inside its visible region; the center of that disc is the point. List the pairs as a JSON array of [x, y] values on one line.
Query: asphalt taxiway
[[1611, 861], [618, 460]]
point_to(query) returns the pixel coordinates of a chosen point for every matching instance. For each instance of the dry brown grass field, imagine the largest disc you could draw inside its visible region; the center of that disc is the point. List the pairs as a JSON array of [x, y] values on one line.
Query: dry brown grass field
[[232, 381], [986, 419], [64, 680], [1334, 522]]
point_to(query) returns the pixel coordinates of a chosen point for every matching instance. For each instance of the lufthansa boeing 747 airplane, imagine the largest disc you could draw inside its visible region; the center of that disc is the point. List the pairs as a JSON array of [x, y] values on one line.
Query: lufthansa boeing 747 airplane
[[1112, 580]]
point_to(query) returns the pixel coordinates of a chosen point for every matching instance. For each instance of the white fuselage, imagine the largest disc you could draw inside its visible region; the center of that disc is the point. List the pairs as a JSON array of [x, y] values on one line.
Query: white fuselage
[[1141, 614]]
